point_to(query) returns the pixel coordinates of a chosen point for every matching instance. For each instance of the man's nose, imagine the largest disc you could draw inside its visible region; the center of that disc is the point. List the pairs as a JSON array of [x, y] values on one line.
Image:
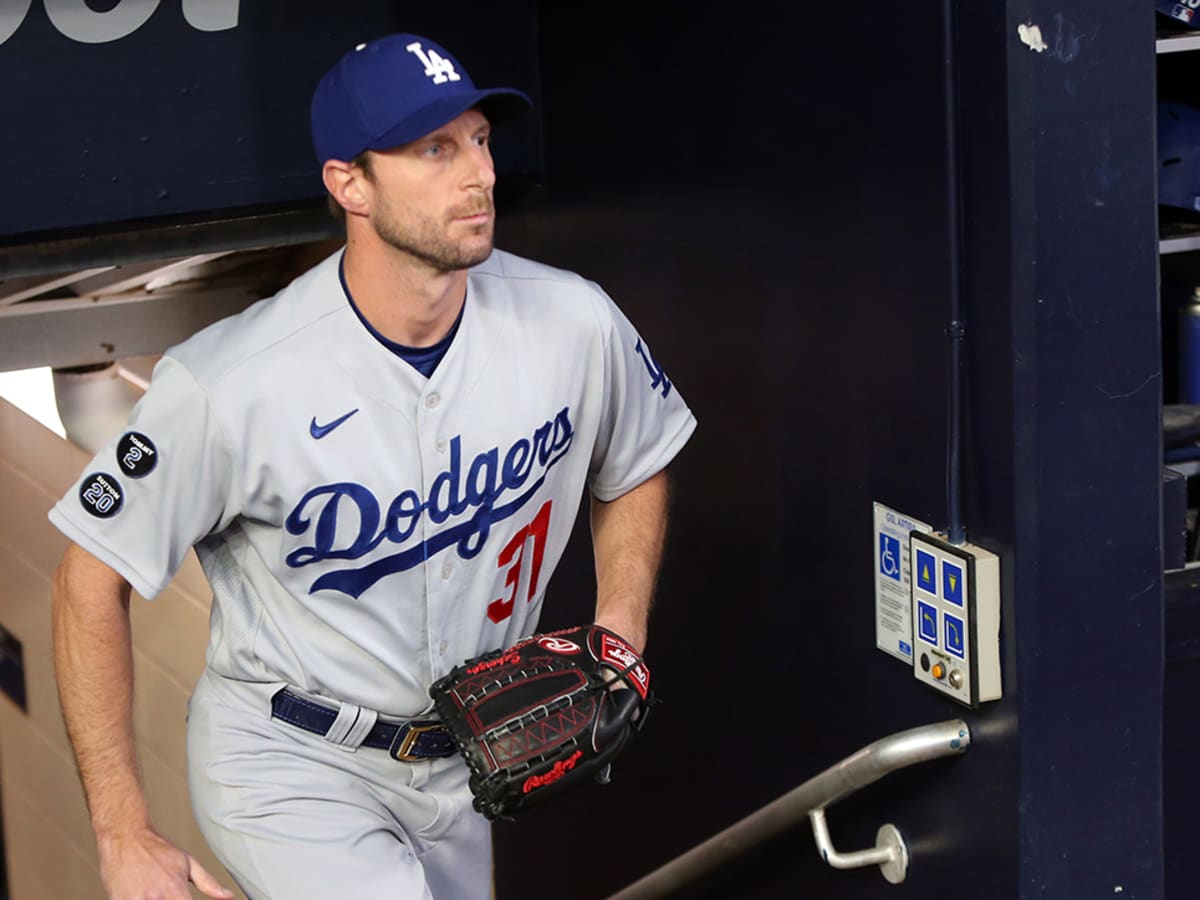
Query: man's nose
[[483, 170]]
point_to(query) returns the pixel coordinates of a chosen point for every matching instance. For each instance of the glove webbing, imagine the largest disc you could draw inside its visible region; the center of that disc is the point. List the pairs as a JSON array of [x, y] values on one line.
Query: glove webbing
[[519, 723], [484, 689], [541, 712]]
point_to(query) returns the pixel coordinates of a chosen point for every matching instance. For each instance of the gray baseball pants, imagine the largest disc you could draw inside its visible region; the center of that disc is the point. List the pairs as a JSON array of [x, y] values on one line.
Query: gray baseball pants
[[294, 817]]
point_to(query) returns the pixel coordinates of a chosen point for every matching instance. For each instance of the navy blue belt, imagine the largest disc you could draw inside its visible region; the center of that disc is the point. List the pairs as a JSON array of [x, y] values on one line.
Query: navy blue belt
[[408, 741]]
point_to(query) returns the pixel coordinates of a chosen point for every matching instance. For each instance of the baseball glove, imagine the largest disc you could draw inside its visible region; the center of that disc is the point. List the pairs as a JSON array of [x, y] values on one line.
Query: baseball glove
[[543, 715]]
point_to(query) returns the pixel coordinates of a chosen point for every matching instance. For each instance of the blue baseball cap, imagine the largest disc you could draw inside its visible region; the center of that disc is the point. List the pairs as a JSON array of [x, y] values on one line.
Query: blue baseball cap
[[394, 90]]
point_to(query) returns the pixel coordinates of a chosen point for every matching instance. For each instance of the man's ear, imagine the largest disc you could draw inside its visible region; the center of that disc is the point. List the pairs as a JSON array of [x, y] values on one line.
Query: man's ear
[[344, 181]]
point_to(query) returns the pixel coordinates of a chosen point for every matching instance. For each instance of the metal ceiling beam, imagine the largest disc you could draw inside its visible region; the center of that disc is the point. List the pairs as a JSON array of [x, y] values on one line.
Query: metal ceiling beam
[[14, 290], [125, 278], [304, 223], [62, 333]]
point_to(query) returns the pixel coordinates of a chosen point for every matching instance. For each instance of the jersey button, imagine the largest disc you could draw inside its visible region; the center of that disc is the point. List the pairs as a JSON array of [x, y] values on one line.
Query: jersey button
[[447, 571], [432, 400], [441, 445]]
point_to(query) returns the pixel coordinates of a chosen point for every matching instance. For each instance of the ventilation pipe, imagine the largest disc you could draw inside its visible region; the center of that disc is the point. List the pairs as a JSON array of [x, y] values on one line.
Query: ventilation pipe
[[94, 403]]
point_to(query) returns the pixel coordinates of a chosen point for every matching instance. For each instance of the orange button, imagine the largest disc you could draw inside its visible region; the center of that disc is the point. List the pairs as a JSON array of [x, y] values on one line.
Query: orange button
[[938, 671]]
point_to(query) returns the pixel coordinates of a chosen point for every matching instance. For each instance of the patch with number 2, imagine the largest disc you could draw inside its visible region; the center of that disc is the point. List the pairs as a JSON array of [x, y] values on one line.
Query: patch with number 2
[[136, 454]]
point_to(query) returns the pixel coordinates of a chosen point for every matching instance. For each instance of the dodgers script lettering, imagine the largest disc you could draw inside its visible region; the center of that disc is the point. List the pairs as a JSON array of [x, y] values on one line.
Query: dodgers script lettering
[[513, 475]]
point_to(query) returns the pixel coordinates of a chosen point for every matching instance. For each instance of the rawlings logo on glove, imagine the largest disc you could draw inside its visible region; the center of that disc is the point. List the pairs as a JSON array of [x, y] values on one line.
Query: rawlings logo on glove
[[543, 715]]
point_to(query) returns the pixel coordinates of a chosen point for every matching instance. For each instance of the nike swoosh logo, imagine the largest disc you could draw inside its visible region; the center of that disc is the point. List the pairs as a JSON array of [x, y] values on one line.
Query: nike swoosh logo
[[319, 431]]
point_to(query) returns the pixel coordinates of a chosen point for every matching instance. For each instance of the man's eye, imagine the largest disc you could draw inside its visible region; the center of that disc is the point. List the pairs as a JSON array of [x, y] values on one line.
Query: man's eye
[[434, 150]]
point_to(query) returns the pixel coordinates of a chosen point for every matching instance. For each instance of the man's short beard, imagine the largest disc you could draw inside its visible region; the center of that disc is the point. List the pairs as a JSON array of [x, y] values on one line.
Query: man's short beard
[[432, 249]]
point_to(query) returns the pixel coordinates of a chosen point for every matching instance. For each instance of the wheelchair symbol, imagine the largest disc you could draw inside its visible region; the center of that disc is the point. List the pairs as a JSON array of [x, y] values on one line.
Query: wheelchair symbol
[[889, 556]]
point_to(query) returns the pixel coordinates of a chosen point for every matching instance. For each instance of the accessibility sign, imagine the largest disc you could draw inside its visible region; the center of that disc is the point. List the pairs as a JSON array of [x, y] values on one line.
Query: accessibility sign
[[893, 580]]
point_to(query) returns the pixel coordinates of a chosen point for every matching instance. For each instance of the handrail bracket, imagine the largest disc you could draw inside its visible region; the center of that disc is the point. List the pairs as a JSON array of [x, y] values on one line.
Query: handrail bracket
[[890, 852]]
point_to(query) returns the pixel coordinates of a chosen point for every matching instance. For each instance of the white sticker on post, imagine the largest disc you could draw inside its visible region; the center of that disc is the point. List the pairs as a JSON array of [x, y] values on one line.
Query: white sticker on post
[[893, 581]]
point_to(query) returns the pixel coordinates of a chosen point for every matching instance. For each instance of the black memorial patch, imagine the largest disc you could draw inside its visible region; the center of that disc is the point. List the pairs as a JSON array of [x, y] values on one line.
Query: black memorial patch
[[136, 454], [101, 495]]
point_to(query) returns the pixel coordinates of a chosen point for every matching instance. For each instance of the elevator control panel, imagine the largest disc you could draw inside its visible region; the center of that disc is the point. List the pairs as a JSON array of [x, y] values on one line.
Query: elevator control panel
[[955, 618]]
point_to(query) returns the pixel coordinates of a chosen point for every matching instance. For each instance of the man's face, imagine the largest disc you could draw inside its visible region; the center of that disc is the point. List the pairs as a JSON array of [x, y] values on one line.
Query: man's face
[[432, 199]]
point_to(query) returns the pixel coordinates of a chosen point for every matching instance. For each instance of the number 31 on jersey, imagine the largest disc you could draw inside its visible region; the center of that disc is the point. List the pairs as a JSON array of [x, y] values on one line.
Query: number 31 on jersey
[[513, 556]]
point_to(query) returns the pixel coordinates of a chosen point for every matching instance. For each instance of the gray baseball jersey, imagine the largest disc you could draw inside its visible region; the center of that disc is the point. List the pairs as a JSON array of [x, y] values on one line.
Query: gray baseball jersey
[[364, 528]]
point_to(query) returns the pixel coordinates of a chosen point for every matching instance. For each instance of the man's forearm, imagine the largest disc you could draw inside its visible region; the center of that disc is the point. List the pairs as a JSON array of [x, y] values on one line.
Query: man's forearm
[[627, 540], [94, 666]]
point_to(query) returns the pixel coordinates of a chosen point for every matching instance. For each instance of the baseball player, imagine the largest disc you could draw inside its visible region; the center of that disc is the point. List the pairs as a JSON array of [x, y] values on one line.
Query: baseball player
[[379, 468]]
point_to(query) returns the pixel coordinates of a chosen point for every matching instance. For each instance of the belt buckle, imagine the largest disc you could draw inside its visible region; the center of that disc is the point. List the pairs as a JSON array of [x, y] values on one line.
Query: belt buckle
[[402, 745]]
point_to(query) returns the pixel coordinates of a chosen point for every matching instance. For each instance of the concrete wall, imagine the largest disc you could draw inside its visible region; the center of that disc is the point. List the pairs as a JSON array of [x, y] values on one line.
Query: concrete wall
[[50, 851]]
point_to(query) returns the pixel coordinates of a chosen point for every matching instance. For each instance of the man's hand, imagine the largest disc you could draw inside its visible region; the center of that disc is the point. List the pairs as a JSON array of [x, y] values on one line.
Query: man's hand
[[146, 866], [93, 659]]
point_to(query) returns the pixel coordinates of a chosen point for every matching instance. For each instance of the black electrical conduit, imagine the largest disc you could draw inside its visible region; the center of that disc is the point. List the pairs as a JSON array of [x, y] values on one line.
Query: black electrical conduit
[[956, 329]]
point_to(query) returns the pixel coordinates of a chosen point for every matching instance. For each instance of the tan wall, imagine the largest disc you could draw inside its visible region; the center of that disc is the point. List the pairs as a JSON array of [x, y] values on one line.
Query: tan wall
[[50, 851]]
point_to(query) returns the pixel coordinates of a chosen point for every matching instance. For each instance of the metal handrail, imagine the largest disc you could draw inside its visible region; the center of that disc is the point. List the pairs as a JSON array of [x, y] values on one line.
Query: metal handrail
[[809, 800]]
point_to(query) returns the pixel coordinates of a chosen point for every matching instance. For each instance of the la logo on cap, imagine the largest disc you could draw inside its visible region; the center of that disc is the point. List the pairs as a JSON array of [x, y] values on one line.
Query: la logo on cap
[[437, 67]]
